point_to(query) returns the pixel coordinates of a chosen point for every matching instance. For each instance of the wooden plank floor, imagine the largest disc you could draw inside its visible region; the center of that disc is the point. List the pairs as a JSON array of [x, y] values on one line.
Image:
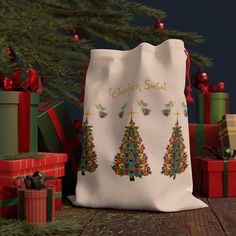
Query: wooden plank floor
[[218, 219]]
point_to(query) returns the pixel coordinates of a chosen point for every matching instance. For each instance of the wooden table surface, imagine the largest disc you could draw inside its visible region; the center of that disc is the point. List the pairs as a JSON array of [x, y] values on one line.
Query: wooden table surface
[[218, 219]]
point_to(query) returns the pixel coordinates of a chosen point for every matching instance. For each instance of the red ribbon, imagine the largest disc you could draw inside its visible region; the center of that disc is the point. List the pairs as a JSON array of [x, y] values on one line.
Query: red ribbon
[[68, 147], [24, 122], [26, 80]]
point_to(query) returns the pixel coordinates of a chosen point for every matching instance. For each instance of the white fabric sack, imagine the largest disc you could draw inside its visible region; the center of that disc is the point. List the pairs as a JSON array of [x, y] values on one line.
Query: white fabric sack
[[136, 139]]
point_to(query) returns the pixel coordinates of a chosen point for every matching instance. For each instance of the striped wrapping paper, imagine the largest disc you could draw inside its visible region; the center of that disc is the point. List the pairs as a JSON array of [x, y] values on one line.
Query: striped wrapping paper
[[36, 206], [227, 131], [9, 199], [50, 164]]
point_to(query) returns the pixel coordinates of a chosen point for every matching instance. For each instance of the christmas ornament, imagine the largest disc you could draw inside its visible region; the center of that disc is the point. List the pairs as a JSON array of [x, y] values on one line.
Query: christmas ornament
[[75, 36], [101, 111], [122, 112], [168, 108], [5, 83], [201, 80], [143, 105], [159, 25], [9, 52]]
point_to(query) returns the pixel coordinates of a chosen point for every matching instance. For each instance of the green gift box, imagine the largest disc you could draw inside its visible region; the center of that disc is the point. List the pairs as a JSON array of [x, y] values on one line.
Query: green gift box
[[18, 122], [211, 107], [57, 134]]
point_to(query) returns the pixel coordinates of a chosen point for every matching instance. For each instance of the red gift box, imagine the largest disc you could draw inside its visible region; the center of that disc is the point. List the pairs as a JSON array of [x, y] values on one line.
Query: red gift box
[[9, 200], [201, 135], [49, 164], [218, 178]]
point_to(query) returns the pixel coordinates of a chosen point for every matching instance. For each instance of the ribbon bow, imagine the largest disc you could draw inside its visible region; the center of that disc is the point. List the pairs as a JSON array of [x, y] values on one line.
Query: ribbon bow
[[216, 153], [26, 80], [35, 181]]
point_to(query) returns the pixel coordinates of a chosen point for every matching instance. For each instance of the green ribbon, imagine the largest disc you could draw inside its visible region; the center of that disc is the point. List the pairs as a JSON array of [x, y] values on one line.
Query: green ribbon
[[225, 179], [199, 139], [14, 201]]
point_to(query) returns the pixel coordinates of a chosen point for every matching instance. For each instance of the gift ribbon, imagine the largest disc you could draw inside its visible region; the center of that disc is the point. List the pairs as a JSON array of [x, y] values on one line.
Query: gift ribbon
[[24, 122], [225, 178], [199, 139], [61, 135], [207, 108]]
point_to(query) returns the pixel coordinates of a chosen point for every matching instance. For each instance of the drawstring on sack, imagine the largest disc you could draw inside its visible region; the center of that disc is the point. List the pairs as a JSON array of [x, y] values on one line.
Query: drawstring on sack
[[82, 86], [189, 97]]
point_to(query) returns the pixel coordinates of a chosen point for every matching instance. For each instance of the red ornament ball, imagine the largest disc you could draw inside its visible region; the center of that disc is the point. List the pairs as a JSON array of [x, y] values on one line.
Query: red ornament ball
[[200, 77], [75, 36], [9, 52], [159, 25]]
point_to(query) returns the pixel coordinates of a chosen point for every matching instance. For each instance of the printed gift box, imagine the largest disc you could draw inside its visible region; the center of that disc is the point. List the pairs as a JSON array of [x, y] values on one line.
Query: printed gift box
[[227, 131]]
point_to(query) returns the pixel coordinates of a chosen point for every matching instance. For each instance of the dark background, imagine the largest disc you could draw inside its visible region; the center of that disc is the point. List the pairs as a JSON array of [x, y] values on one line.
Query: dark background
[[216, 21]]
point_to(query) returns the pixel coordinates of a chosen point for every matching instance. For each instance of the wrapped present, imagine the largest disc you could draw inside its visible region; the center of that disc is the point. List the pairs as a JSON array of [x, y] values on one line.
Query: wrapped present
[[57, 184], [9, 199], [196, 173], [227, 131], [202, 135], [57, 134], [49, 164], [211, 107], [8, 202], [18, 122], [218, 177], [36, 206]]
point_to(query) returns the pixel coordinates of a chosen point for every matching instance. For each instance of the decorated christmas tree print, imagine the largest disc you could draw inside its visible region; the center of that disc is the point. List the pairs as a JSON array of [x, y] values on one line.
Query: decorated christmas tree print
[[175, 159], [131, 160], [88, 161]]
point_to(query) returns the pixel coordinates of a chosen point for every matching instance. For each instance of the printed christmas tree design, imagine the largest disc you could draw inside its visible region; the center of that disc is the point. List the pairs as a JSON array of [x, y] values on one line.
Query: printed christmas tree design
[[175, 159], [88, 161], [131, 160]]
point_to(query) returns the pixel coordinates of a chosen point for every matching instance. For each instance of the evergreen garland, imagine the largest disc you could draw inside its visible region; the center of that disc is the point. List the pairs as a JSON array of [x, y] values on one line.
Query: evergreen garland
[[39, 33], [20, 156]]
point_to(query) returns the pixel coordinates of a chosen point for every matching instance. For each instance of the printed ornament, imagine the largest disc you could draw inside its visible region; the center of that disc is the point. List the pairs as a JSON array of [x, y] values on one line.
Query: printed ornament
[[131, 160], [101, 111], [122, 112], [175, 158], [143, 105], [88, 161], [168, 108]]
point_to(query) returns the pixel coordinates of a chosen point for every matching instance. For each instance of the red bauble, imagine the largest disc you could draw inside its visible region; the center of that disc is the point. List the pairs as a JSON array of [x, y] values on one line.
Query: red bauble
[[201, 81], [75, 36], [9, 52], [159, 25]]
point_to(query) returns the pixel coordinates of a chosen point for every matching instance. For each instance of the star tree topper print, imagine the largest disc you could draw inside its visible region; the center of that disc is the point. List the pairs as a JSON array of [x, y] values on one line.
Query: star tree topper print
[[131, 160], [175, 158]]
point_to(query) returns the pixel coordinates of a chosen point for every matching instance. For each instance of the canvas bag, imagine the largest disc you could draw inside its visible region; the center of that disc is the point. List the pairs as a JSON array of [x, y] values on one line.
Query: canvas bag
[[135, 131]]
